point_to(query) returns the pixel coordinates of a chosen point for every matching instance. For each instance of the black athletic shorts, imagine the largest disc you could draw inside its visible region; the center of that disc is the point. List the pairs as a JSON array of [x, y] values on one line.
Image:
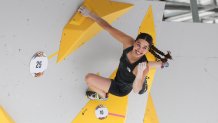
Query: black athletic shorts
[[119, 89]]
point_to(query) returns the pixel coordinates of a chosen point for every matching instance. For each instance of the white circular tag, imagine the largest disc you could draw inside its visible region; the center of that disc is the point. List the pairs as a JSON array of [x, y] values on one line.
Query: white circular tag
[[101, 112], [38, 64]]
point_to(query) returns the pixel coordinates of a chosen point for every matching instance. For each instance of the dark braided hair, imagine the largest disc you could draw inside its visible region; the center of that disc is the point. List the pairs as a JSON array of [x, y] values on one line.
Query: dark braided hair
[[153, 50]]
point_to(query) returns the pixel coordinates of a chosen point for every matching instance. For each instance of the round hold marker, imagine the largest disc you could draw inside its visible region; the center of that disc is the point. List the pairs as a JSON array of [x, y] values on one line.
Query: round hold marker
[[38, 64], [101, 112]]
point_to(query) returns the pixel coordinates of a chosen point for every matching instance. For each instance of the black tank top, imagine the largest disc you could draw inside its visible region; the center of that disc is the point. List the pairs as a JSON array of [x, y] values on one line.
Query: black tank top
[[125, 76]]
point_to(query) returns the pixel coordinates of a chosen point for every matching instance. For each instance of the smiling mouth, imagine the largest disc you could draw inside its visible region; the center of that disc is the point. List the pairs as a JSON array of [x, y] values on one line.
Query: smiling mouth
[[137, 52]]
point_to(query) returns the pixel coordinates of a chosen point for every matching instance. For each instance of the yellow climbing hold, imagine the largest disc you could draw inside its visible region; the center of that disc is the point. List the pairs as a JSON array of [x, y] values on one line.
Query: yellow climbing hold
[[81, 29], [4, 117]]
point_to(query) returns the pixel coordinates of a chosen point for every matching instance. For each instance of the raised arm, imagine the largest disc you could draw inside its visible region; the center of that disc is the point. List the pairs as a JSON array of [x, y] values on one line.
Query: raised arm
[[155, 64], [125, 39]]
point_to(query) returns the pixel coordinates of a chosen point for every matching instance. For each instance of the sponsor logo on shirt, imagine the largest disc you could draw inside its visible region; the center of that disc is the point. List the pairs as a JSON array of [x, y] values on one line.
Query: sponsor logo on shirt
[[128, 69]]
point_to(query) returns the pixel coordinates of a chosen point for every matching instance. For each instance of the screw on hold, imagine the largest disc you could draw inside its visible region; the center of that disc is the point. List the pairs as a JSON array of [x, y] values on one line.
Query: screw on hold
[[84, 112], [147, 77]]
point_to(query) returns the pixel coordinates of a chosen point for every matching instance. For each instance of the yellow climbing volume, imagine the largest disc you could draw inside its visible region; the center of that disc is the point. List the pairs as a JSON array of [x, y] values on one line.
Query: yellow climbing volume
[[4, 117], [81, 29]]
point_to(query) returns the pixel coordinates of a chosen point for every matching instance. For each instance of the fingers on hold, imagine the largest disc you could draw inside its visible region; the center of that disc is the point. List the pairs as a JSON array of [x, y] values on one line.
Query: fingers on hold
[[81, 8]]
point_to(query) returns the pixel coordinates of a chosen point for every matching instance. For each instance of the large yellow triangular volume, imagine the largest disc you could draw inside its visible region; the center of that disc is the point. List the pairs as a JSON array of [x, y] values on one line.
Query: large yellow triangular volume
[[4, 117], [117, 107], [81, 29], [147, 26], [150, 115]]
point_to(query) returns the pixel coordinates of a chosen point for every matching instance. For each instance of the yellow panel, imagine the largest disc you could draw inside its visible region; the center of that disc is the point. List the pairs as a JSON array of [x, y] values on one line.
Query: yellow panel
[[150, 115], [148, 26], [4, 117], [117, 107], [81, 29]]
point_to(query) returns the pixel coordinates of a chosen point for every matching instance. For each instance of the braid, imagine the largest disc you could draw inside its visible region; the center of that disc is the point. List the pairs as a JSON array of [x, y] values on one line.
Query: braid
[[154, 51], [155, 54], [168, 55], [157, 50]]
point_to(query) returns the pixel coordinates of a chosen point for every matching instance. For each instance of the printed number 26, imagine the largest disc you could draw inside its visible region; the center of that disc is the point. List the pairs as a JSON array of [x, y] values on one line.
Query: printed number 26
[[38, 64]]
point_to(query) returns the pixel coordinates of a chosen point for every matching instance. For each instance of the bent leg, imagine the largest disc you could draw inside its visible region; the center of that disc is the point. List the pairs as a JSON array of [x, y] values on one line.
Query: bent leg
[[98, 91], [97, 82]]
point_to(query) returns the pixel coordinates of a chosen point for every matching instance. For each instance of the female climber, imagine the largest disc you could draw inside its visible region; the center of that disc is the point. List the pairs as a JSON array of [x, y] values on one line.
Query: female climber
[[133, 67]]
